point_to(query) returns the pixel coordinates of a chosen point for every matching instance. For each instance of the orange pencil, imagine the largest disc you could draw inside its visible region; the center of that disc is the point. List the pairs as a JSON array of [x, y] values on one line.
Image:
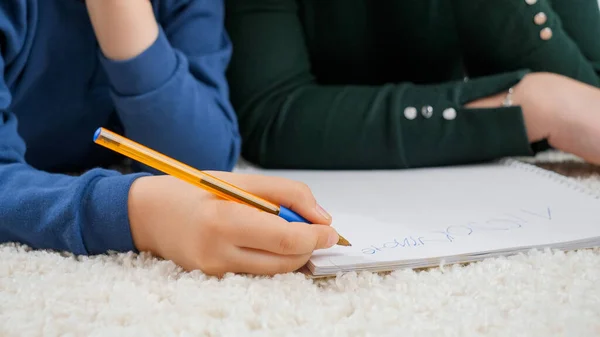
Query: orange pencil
[[193, 176]]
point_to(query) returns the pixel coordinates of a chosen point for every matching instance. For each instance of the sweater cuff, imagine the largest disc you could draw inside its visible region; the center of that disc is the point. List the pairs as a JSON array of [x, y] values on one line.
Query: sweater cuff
[[449, 132], [145, 72], [107, 212]]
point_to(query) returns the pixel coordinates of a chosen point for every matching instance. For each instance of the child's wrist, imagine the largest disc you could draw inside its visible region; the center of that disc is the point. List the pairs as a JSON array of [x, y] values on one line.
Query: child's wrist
[[137, 205], [124, 29]]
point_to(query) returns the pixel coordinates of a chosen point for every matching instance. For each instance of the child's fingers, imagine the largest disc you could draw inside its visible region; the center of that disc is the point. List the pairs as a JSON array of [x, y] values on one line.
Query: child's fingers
[[249, 228], [291, 194], [253, 261]]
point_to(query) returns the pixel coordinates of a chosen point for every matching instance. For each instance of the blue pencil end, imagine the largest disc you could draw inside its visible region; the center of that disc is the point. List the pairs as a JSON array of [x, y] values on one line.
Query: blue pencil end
[[97, 133], [290, 215]]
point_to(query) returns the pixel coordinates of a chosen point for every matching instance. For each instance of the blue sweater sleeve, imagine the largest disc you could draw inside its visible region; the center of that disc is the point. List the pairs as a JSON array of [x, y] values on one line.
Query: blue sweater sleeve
[[83, 215], [174, 96], [87, 214]]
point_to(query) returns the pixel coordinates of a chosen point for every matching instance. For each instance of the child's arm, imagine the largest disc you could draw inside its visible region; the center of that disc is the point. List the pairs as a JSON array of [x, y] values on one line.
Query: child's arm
[[168, 81], [103, 210], [83, 215]]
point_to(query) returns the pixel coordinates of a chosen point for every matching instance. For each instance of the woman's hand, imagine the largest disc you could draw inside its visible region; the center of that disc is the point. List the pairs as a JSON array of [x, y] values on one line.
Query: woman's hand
[[571, 111], [564, 111], [124, 29], [197, 230]]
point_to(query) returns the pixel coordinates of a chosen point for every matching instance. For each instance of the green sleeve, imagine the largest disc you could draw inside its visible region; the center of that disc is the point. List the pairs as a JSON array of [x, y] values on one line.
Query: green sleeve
[[289, 120], [499, 36], [581, 22]]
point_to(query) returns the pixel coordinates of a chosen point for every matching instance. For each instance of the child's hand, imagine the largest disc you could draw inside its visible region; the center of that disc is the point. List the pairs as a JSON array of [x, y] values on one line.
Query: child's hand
[[197, 230]]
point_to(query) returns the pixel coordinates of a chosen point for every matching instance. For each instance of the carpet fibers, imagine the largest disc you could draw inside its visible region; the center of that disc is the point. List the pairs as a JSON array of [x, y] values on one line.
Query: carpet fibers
[[542, 293]]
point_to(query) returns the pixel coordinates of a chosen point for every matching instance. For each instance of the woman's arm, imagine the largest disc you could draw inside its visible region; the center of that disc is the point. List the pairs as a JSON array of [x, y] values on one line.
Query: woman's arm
[[168, 77], [289, 120], [581, 21], [558, 36]]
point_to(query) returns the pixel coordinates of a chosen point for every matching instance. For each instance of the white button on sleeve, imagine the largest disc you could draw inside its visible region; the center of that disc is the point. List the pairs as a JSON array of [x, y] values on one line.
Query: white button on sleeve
[[540, 18], [410, 112], [427, 111], [546, 34], [449, 114]]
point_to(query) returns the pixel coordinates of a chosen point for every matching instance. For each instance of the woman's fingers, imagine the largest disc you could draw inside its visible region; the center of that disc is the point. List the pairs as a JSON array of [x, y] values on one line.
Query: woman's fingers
[[263, 231], [291, 194]]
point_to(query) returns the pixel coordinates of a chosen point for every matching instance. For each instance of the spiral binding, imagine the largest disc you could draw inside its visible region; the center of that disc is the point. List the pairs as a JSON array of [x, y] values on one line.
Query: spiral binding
[[563, 180]]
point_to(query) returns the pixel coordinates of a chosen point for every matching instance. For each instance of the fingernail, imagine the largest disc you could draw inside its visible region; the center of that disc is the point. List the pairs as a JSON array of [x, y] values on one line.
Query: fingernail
[[323, 212], [332, 239]]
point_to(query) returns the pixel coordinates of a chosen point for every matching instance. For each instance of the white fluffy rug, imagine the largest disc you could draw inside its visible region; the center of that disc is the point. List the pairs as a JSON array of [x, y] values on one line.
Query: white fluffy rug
[[539, 294]]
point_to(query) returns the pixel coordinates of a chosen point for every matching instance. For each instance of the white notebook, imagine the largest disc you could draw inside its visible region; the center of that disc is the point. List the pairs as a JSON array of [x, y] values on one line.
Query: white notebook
[[423, 217]]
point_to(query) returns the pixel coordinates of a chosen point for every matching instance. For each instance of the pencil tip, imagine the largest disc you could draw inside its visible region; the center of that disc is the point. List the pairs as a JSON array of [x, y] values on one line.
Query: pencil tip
[[343, 242]]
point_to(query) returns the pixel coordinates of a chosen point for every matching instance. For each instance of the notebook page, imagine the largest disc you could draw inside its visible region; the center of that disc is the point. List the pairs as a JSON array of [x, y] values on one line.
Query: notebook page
[[405, 215], [376, 243]]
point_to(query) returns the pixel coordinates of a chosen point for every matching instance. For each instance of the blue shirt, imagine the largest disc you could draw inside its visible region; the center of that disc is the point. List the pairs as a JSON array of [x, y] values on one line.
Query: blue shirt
[[57, 88]]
